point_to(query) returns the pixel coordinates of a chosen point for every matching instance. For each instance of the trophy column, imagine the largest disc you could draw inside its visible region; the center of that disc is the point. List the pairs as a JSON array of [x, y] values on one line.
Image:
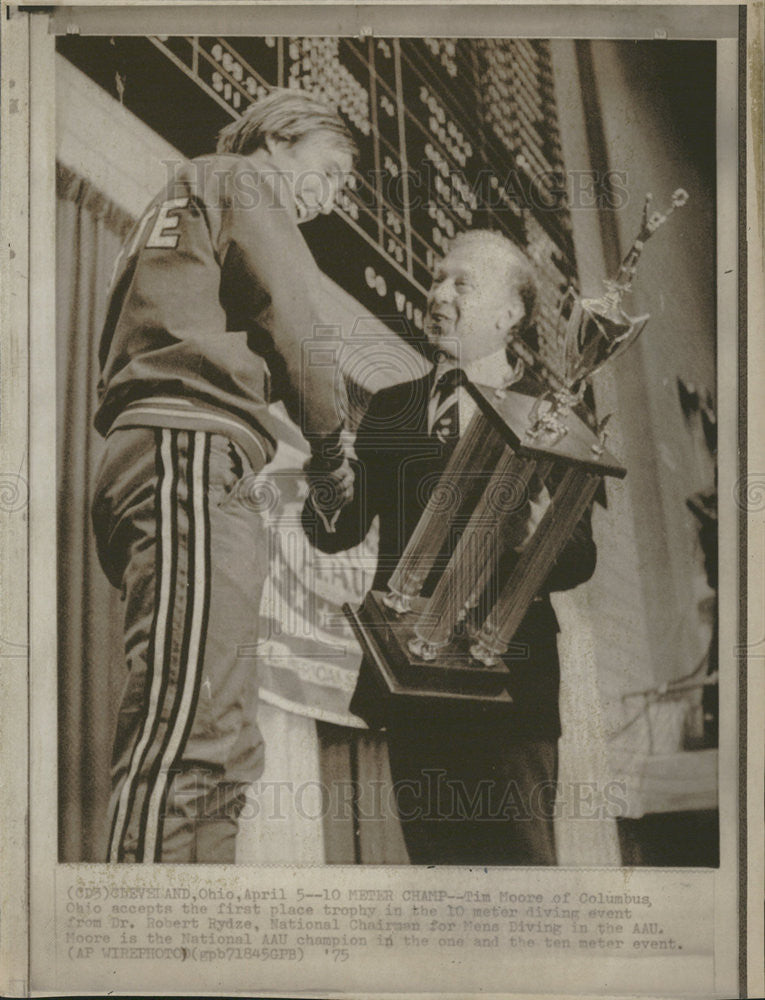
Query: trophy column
[[477, 553], [479, 448], [567, 506]]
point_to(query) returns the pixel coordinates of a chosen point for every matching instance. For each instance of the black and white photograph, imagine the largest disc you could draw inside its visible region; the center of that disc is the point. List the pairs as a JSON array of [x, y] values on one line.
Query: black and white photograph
[[435, 206], [391, 381]]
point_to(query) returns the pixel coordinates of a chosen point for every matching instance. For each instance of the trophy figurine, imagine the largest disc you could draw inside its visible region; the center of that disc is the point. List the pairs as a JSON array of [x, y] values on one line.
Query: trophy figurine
[[592, 332], [447, 648]]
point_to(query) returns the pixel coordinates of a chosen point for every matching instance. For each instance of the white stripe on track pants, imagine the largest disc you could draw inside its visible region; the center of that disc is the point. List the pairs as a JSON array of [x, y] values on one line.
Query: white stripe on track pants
[[176, 533]]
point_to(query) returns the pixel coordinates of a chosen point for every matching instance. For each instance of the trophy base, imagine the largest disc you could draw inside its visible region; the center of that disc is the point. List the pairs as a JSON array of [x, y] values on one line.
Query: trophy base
[[396, 683]]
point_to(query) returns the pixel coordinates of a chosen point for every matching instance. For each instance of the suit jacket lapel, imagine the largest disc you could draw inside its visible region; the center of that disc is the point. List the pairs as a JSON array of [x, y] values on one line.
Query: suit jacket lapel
[[411, 399]]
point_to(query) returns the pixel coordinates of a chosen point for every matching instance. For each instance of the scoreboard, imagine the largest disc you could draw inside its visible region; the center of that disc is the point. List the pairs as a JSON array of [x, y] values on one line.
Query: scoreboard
[[453, 133]]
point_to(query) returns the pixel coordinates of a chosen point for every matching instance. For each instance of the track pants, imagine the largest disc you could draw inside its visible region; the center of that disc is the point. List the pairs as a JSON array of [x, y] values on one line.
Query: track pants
[[176, 534]]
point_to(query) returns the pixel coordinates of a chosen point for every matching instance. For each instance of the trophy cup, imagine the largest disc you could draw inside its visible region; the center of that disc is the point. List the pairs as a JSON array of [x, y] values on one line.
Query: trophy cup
[[448, 649]]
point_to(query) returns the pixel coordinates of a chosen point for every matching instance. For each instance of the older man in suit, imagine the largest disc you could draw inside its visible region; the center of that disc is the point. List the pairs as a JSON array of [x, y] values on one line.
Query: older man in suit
[[471, 789]]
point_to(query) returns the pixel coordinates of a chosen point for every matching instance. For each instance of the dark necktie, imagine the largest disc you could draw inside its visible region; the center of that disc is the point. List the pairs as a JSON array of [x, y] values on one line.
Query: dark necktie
[[445, 404]]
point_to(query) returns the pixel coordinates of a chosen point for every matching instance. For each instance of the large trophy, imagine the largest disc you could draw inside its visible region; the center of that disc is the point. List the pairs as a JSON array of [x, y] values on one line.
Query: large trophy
[[449, 648]]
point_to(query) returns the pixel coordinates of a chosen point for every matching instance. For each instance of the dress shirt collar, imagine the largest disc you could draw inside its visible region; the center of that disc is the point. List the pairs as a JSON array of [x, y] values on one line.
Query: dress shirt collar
[[491, 371]]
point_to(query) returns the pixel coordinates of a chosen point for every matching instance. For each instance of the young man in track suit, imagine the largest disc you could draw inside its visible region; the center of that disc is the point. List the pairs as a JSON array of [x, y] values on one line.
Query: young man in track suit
[[470, 790], [213, 296]]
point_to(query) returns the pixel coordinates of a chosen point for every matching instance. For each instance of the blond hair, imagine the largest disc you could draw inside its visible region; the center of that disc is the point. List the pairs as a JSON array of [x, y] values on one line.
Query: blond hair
[[285, 116]]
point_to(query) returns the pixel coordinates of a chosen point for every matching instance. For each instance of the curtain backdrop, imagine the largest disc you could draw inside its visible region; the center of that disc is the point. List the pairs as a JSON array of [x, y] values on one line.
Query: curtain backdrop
[[89, 233]]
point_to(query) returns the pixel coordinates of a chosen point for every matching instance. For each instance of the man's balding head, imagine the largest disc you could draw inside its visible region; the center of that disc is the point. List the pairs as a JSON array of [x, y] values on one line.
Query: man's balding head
[[520, 276], [484, 291]]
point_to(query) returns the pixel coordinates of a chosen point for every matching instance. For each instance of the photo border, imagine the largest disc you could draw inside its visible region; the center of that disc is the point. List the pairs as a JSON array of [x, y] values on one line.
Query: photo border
[[32, 134]]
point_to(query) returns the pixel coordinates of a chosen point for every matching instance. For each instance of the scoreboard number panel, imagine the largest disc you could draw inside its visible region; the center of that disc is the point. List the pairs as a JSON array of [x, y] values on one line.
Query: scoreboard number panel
[[453, 134]]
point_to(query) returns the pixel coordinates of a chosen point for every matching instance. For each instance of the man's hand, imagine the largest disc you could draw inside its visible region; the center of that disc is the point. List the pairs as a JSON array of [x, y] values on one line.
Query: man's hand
[[330, 485], [338, 480]]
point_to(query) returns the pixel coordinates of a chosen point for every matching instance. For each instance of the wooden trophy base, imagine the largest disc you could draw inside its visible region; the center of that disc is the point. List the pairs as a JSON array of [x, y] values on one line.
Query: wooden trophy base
[[395, 683]]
